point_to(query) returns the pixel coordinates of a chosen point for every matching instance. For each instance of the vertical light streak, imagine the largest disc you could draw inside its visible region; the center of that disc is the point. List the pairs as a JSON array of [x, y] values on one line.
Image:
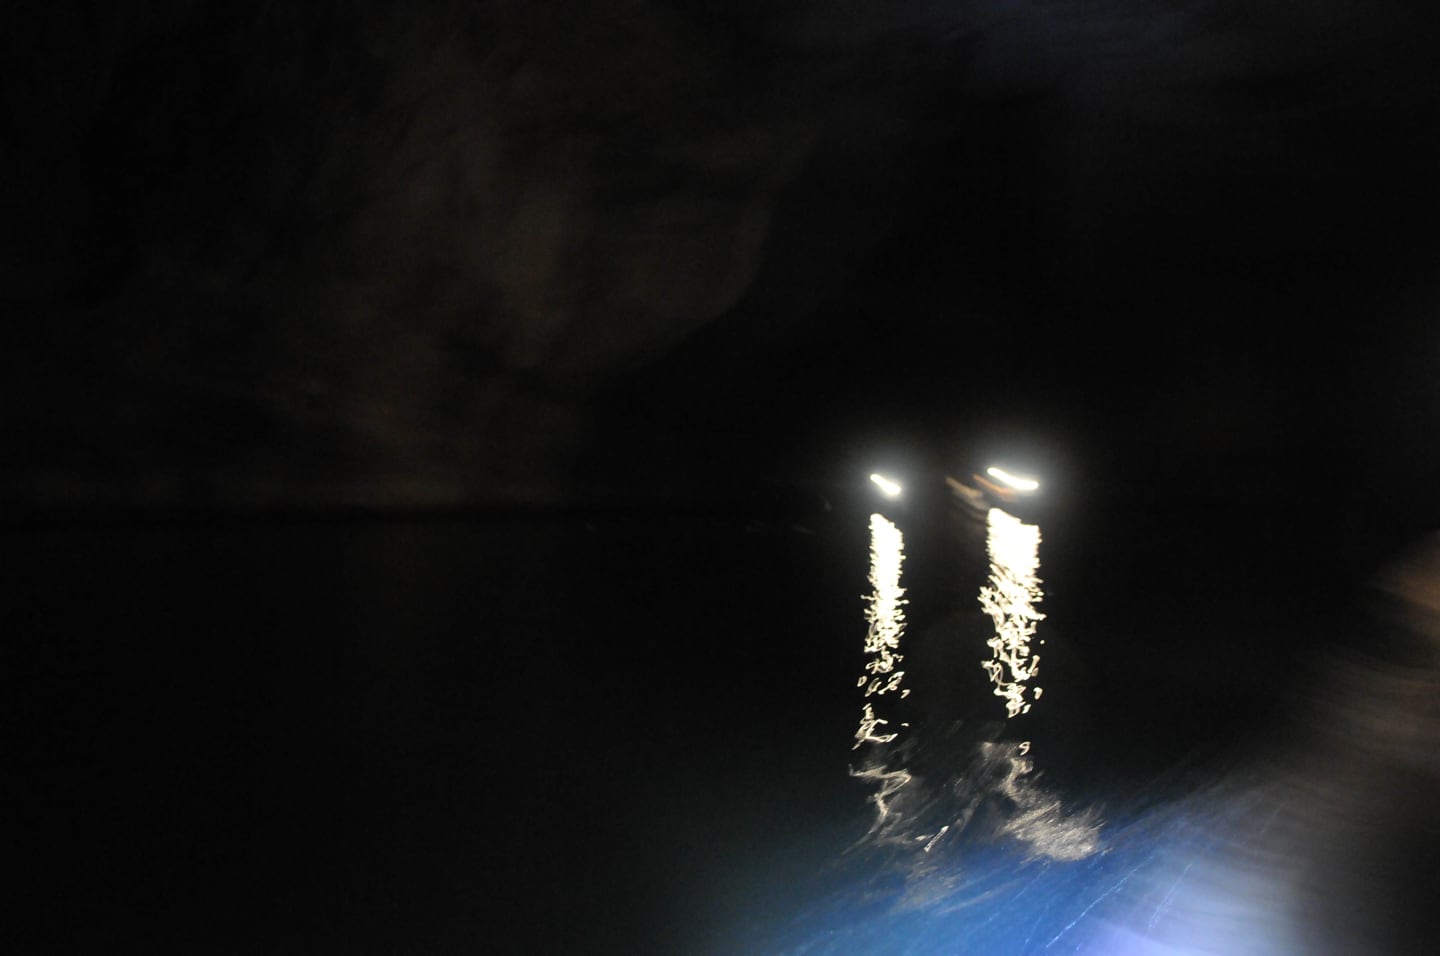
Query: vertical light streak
[[1036, 817], [885, 620], [1010, 599], [911, 814]]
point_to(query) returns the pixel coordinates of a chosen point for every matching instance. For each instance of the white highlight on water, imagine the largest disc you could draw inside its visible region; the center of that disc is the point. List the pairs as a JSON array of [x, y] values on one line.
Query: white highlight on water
[[869, 724], [885, 617], [906, 809], [1009, 598], [1038, 819], [890, 783]]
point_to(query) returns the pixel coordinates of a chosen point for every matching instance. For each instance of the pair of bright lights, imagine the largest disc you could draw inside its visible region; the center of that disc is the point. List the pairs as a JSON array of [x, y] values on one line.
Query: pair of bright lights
[[892, 489]]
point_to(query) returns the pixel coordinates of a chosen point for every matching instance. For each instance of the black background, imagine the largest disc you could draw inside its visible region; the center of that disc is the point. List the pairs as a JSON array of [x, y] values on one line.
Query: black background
[[435, 436]]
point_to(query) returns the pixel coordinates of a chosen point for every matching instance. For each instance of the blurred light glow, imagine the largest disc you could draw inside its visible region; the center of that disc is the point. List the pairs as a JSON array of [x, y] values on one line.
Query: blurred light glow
[[1010, 599], [1019, 484], [890, 488]]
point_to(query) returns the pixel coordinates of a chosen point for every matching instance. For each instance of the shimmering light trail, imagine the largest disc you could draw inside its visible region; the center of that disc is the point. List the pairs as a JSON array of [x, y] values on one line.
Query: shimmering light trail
[[885, 617], [869, 727], [929, 812], [1010, 599], [1314, 853]]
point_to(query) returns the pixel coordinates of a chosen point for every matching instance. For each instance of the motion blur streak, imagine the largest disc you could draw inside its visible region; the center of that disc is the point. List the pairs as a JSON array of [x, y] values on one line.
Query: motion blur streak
[[1199, 876], [1009, 599], [890, 488], [1019, 484]]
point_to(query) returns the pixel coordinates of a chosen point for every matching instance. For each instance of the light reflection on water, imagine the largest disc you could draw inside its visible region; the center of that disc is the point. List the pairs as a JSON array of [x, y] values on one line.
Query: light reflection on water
[[885, 620], [1193, 876], [1320, 844], [915, 811], [1009, 598]]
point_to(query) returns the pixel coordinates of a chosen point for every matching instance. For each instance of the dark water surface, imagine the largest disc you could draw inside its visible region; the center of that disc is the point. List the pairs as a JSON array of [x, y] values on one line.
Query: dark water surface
[[578, 733]]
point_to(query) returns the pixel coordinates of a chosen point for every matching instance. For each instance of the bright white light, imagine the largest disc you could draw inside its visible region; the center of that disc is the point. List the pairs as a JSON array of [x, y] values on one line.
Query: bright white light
[[891, 489], [1019, 484], [1010, 599], [885, 616]]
